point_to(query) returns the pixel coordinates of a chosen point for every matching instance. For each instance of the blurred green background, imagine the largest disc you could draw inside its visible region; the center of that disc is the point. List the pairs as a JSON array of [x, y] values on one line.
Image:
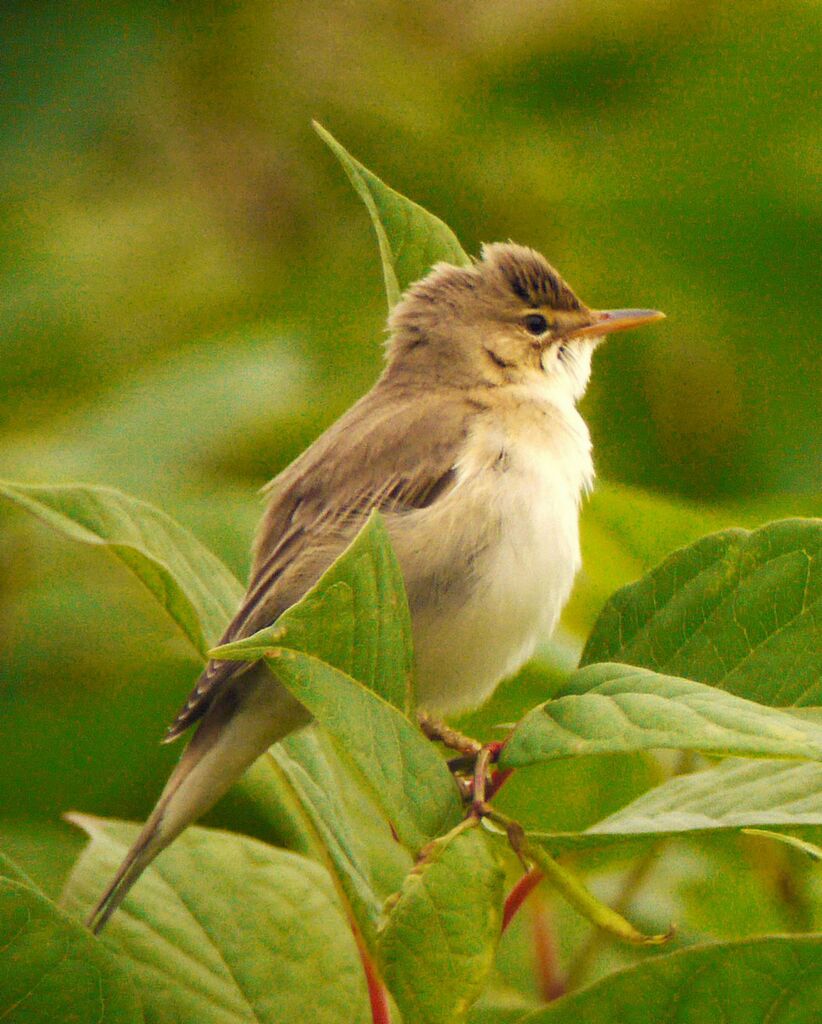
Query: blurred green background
[[191, 291]]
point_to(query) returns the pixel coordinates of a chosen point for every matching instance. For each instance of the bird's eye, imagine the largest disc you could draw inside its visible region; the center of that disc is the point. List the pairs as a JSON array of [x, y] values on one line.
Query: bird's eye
[[535, 323]]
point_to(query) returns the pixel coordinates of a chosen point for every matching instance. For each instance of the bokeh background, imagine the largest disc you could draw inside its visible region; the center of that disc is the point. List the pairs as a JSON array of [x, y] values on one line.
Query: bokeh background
[[191, 291]]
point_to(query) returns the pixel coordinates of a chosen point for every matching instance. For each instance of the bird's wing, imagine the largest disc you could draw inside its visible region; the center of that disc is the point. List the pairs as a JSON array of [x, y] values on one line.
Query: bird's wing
[[395, 450]]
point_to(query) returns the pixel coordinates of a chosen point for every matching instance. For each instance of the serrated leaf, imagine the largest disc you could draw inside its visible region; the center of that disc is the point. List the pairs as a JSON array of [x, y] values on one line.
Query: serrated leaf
[[407, 777], [611, 708], [438, 942], [411, 240], [52, 970], [740, 610], [730, 796], [190, 583], [355, 618], [773, 980], [222, 928]]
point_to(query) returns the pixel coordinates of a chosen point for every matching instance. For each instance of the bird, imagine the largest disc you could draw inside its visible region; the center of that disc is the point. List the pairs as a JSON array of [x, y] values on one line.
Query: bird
[[471, 446]]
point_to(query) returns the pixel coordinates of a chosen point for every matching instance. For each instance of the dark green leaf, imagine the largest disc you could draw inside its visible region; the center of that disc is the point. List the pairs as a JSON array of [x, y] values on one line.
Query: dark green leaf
[[610, 708], [408, 778], [192, 585], [438, 942], [774, 980], [411, 239], [52, 971], [739, 610]]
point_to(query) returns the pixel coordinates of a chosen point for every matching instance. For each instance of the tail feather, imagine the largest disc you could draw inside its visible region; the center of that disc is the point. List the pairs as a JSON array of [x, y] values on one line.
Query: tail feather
[[240, 726], [138, 858]]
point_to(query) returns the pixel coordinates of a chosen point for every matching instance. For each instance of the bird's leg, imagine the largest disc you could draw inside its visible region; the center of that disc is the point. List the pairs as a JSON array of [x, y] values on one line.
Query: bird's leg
[[434, 729], [481, 767], [472, 768]]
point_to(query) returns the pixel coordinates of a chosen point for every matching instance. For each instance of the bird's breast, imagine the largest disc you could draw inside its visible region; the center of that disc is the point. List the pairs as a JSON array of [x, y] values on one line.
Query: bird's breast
[[501, 552]]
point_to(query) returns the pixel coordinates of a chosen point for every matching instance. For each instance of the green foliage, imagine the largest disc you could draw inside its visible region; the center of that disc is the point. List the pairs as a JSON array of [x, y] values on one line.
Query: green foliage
[[729, 796], [411, 239], [732, 611], [454, 894], [191, 585], [778, 980], [226, 929], [53, 970], [388, 876], [611, 708]]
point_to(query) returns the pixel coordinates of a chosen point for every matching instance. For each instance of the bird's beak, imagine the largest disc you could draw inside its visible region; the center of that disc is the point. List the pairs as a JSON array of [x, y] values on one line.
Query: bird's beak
[[607, 321]]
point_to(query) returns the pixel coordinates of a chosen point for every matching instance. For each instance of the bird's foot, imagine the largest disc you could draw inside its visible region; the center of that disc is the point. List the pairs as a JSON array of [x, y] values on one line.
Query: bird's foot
[[439, 731], [474, 770]]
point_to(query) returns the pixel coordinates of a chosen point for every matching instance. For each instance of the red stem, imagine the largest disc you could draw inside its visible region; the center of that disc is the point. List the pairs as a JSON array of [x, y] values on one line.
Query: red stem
[[497, 781], [377, 995], [546, 960], [519, 894]]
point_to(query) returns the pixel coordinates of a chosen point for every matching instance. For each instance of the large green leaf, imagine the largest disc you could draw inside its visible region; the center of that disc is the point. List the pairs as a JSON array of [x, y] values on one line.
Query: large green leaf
[[610, 708], [354, 618], [191, 584], [773, 980], [407, 776], [739, 610], [733, 795], [437, 945], [222, 929], [411, 239], [51, 969], [319, 782]]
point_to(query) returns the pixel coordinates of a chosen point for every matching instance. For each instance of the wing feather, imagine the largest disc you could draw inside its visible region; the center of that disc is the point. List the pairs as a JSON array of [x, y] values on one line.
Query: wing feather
[[395, 450]]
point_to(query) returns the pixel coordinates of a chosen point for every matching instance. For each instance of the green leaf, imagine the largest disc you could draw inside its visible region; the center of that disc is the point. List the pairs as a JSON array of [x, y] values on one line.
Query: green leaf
[[624, 532], [406, 775], [225, 929], [739, 610], [188, 582], [354, 618], [411, 239], [11, 870], [52, 971], [344, 651], [438, 942], [46, 847], [730, 796], [773, 980], [304, 760], [610, 708]]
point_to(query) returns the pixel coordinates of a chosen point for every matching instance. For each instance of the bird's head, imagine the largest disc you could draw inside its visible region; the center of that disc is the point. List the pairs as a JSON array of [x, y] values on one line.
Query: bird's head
[[508, 319]]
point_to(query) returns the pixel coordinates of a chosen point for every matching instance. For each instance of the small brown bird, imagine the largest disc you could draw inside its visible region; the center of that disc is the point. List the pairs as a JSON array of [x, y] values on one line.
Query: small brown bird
[[471, 446]]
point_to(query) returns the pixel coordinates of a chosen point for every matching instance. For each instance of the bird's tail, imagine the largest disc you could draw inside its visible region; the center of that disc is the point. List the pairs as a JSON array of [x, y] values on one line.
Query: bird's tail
[[234, 732]]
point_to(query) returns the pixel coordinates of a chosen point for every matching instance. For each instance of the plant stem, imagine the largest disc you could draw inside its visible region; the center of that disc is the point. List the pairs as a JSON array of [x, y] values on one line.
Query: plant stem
[[550, 982], [631, 885], [519, 894], [377, 995]]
